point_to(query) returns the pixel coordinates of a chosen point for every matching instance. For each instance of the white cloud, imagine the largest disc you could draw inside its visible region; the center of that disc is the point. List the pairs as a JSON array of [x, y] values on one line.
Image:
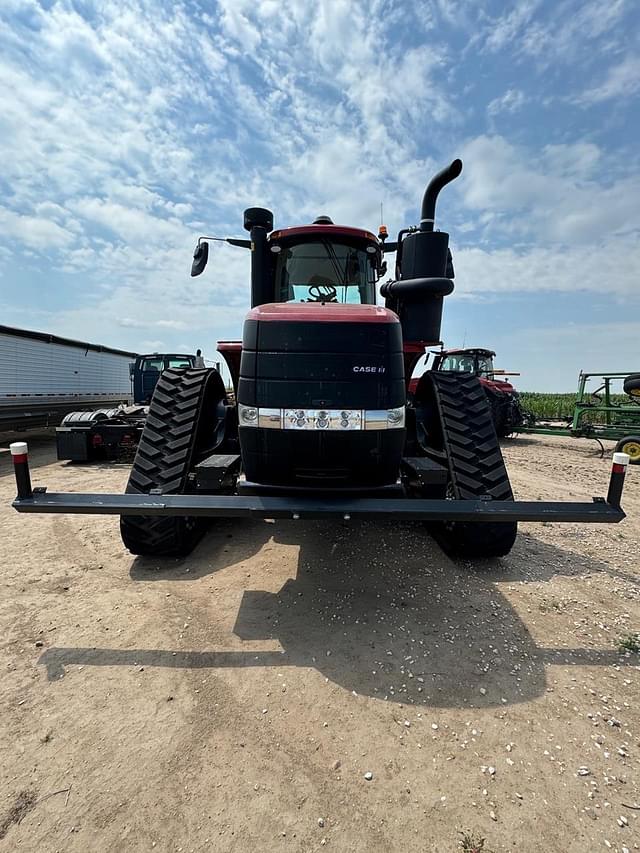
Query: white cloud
[[34, 231], [507, 28], [237, 26], [622, 81], [563, 37], [609, 269], [131, 323], [551, 195], [171, 324], [512, 101], [130, 223], [100, 106], [579, 160]]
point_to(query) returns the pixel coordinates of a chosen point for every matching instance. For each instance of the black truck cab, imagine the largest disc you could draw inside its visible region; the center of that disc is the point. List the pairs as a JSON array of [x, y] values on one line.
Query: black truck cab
[[146, 369]]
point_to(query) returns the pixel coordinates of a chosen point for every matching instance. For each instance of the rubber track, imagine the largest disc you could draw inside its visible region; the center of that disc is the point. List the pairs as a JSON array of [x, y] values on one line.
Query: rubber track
[[163, 461], [476, 466], [475, 459]]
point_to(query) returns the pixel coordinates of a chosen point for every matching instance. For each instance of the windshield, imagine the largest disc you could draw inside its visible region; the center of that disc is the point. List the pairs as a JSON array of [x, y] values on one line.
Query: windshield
[[325, 271], [153, 364], [461, 362], [465, 362]]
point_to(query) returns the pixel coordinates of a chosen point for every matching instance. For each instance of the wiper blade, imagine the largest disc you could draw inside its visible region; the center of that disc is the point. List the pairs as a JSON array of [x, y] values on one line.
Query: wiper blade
[[331, 252]]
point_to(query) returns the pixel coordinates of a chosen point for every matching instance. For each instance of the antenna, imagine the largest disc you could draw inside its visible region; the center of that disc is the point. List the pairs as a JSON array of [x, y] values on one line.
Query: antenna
[[464, 338], [381, 214]]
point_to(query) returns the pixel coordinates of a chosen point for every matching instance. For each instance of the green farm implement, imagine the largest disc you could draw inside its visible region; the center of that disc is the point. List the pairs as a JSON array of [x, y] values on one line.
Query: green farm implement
[[600, 414]]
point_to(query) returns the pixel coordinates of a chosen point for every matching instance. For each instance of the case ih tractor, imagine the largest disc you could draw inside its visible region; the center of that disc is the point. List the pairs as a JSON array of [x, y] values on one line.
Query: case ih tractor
[[321, 427]]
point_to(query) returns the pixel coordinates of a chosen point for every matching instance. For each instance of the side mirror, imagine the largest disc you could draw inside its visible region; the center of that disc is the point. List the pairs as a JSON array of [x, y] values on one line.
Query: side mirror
[[200, 258], [383, 269]]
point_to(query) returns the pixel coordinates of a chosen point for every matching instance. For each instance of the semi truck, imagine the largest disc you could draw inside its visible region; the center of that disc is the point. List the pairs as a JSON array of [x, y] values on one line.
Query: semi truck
[[43, 377], [110, 433]]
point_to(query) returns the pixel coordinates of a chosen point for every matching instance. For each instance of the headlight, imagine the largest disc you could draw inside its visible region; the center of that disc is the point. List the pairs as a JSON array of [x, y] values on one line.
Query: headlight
[[247, 415], [270, 418], [338, 420], [384, 418], [333, 420]]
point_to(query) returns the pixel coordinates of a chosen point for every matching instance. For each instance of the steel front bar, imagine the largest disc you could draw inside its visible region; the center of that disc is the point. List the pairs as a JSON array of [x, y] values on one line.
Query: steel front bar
[[241, 506], [250, 506]]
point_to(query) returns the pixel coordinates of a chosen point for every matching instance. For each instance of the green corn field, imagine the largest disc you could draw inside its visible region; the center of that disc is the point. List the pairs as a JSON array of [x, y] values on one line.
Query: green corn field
[[549, 406]]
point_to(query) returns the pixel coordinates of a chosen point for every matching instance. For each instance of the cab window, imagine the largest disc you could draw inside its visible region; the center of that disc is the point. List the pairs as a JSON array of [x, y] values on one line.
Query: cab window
[[461, 363], [180, 362], [325, 271], [485, 365], [153, 364]]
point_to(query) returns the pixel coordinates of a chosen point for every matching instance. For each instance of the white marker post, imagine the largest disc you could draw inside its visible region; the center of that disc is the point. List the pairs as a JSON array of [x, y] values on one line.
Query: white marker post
[[616, 483], [20, 457]]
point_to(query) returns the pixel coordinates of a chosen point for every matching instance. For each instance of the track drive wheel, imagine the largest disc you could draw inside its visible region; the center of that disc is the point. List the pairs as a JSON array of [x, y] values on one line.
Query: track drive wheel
[[458, 430], [630, 445], [185, 420]]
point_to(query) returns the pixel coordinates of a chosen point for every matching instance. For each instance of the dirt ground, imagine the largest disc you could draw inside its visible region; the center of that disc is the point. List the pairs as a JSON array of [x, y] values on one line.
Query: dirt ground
[[236, 699]]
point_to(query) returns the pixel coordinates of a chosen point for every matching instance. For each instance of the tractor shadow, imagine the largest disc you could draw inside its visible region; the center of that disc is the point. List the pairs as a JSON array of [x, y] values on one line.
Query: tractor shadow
[[228, 542], [382, 611], [379, 610]]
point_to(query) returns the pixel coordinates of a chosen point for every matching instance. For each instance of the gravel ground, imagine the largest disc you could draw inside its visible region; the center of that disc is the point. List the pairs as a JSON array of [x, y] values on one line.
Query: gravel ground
[[306, 686]]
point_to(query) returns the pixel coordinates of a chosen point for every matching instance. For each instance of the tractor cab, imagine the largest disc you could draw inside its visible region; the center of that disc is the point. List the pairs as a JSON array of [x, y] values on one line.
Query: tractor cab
[[503, 398], [325, 263], [476, 361]]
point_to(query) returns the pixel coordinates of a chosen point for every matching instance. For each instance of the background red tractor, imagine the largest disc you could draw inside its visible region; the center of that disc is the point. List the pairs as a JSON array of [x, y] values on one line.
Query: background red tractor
[[503, 398]]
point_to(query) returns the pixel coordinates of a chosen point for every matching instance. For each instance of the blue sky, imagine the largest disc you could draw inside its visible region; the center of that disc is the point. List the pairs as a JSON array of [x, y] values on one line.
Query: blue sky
[[129, 128]]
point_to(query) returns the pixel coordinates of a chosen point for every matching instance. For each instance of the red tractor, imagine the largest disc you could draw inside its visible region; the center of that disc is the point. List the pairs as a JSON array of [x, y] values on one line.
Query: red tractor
[[503, 398], [322, 426]]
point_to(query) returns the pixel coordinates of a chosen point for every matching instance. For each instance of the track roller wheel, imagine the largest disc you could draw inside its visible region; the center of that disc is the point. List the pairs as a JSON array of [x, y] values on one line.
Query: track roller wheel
[[184, 421], [458, 430]]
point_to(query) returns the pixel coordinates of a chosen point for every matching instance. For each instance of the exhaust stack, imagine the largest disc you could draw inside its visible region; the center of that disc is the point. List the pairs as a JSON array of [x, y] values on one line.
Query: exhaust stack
[[444, 177], [421, 268]]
